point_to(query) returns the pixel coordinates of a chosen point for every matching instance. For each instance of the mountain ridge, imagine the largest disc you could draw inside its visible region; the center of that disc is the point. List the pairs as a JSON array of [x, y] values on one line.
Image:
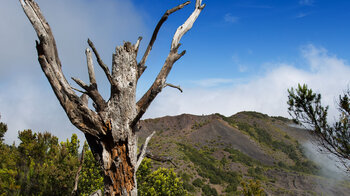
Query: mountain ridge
[[223, 151]]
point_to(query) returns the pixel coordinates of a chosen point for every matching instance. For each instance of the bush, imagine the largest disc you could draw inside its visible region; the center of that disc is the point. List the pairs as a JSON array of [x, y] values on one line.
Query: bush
[[206, 166], [289, 149], [198, 182], [207, 190], [252, 188], [238, 156], [188, 187], [256, 172], [161, 182], [231, 188], [281, 164]]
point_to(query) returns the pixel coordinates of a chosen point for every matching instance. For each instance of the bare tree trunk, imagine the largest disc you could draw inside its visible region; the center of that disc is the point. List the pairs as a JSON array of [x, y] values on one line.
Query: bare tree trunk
[[111, 127]]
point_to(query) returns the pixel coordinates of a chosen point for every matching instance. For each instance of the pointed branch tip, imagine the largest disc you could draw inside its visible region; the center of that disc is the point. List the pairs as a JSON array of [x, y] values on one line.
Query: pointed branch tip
[[173, 86], [80, 91]]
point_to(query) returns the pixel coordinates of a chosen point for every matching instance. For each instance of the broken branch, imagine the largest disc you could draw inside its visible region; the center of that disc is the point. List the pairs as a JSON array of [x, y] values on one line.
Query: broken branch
[[90, 67], [159, 158], [173, 86], [80, 91], [75, 189], [137, 44], [101, 63], [142, 154], [187, 25]]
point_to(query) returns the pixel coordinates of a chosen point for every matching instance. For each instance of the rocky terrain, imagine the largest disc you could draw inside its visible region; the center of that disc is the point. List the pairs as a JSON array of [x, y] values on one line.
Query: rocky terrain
[[214, 154]]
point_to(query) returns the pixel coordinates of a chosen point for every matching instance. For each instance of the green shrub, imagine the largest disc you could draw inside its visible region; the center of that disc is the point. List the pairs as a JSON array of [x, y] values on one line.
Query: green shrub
[[289, 149], [207, 190], [256, 172], [206, 166], [198, 182], [189, 187], [231, 188], [238, 156], [161, 182], [252, 188], [281, 164]]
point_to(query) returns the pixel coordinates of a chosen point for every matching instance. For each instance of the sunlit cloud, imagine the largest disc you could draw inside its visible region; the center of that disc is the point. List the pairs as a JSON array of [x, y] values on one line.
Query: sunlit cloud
[[267, 93]]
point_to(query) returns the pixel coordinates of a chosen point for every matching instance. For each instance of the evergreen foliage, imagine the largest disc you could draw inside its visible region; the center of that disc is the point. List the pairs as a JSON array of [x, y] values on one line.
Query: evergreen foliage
[[306, 109], [252, 188], [160, 182], [40, 165], [208, 169]]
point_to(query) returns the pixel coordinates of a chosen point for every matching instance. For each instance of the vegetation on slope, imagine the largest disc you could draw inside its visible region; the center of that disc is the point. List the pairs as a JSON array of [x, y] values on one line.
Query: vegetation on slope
[[207, 166], [40, 165]]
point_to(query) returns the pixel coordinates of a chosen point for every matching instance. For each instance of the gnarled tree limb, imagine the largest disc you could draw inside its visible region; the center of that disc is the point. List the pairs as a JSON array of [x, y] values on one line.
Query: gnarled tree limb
[[173, 56], [110, 130], [78, 113], [141, 65]]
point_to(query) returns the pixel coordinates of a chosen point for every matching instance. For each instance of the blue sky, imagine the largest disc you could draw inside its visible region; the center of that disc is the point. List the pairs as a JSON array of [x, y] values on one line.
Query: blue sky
[[241, 55]]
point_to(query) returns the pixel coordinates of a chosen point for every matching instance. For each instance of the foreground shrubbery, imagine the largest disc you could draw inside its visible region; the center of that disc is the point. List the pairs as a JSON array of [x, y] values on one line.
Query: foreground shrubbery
[[40, 165]]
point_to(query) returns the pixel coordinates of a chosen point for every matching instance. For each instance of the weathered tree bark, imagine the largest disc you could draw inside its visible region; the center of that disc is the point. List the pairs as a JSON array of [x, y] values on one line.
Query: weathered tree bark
[[110, 129]]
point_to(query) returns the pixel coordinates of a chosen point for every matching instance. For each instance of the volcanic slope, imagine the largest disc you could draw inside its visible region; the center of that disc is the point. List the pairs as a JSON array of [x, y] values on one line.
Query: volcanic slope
[[214, 154]]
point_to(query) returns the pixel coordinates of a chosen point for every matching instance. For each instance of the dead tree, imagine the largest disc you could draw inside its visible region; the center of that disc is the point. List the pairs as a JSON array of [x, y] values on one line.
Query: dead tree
[[110, 128]]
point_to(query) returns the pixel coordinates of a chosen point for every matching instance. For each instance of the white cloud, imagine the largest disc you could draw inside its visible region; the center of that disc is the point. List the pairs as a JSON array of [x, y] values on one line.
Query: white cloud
[[327, 75], [230, 19], [330, 165]]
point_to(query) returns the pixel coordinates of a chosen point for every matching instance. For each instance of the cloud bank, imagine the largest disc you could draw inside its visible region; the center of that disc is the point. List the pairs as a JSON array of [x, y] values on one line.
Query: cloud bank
[[325, 73]]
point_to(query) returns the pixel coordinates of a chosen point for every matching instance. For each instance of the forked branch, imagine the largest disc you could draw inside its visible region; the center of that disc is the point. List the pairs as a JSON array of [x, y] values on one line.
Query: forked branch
[[141, 65], [101, 63], [173, 56], [91, 90]]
